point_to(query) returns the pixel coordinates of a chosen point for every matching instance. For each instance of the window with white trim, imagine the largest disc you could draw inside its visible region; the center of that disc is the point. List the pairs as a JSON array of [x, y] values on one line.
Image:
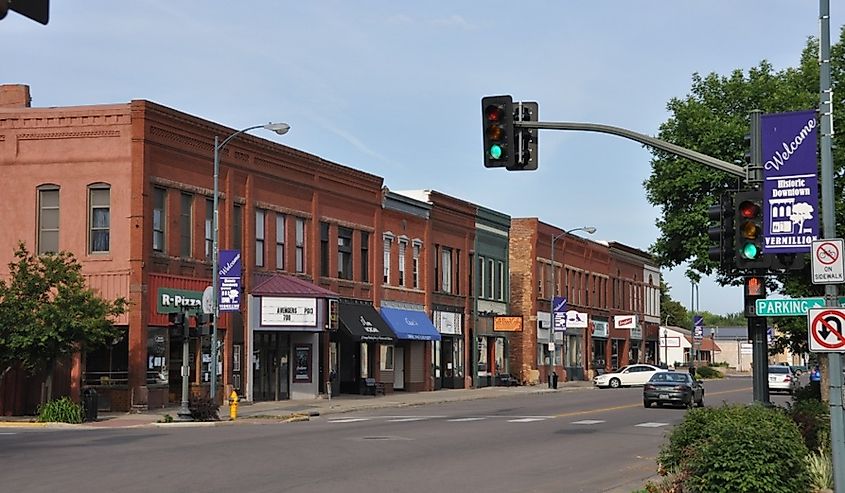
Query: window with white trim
[[99, 218], [48, 219]]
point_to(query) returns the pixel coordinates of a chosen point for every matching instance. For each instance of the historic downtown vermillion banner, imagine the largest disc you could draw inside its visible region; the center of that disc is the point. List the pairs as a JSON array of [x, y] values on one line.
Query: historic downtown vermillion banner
[[790, 181]]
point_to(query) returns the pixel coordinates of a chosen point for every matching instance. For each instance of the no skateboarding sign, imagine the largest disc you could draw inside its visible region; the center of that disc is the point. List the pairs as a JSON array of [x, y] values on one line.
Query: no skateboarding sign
[[827, 330]]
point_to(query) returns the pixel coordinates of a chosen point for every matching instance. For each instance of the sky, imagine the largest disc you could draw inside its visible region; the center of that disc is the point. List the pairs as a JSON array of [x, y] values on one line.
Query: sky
[[394, 88]]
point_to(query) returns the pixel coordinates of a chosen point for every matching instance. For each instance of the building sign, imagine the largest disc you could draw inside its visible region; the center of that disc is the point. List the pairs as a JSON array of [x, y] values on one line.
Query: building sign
[[507, 324], [600, 328], [230, 281], [288, 312], [637, 333], [169, 300], [447, 322], [790, 183], [333, 314], [625, 321], [576, 319]]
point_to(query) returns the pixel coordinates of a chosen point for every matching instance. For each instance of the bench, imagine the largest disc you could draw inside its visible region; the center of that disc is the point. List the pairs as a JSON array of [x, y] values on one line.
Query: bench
[[506, 380], [371, 387]]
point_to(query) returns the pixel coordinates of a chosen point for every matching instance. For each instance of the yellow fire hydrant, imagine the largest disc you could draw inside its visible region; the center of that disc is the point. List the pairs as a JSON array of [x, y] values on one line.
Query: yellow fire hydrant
[[233, 406]]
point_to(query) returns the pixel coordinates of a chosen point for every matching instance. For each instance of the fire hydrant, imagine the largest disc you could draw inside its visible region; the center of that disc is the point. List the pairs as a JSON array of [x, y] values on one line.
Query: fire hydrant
[[233, 406]]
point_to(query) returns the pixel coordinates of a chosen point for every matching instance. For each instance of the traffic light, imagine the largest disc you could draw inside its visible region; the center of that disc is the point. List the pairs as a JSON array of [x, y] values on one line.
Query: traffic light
[[754, 288], [203, 324], [525, 139], [497, 122], [37, 10], [749, 230], [722, 232], [178, 325]]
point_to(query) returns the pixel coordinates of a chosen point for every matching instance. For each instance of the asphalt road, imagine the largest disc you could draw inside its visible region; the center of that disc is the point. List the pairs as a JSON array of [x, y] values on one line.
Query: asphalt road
[[585, 440]]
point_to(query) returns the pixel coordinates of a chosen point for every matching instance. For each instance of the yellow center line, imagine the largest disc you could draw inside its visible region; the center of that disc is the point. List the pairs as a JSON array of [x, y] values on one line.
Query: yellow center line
[[632, 406]]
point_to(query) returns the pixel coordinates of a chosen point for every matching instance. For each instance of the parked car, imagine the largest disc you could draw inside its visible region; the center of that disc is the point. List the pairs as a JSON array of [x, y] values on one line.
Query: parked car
[[627, 376], [673, 388], [782, 378]]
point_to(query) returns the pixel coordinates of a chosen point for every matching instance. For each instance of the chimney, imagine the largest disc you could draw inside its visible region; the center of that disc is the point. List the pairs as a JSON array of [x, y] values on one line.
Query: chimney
[[15, 96]]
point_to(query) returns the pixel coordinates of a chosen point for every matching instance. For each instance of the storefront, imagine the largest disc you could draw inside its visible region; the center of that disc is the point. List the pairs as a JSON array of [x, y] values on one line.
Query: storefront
[[363, 348], [630, 324], [548, 354], [492, 347], [412, 353], [600, 332], [575, 344], [447, 356]]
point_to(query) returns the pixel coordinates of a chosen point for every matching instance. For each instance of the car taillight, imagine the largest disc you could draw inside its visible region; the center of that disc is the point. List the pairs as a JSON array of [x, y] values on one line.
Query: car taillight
[[681, 387], [787, 378]]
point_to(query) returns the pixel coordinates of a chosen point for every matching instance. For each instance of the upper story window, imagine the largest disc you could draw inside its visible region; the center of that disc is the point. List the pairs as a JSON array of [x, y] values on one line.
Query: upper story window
[[500, 281], [186, 206], [280, 241], [159, 218], [209, 232], [260, 217], [491, 280], [365, 256], [446, 270], [388, 245], [324, 249], [237, 227], [99, 218], [482, 276], [48, 219], [344, 253], [415, 265], [403, 245], [300, 245]]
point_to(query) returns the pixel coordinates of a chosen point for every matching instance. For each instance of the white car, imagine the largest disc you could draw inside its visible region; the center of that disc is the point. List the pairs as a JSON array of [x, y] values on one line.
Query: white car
[[627, 376], [782, 378]]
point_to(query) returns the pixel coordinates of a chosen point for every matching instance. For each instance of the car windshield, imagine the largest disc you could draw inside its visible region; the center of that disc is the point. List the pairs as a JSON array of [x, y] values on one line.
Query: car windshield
[[778, 369]]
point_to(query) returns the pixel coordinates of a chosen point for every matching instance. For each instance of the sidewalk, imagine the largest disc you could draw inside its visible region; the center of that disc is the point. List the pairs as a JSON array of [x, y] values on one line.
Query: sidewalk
[[286, 411]]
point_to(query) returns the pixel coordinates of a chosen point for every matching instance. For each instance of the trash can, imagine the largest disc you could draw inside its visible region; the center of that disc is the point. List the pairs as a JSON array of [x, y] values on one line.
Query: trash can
[[553, 380], [89, 405]]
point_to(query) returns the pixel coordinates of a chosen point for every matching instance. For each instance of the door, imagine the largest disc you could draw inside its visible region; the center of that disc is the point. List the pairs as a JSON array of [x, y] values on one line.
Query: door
[[398, 368]]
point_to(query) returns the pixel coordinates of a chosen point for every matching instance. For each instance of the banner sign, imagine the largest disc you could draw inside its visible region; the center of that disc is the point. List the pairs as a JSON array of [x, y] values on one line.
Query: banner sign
[[230, 281], [559, 313], [790, 182]]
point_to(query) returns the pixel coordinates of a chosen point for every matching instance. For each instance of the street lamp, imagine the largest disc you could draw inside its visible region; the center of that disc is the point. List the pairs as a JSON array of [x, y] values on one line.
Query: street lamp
[[586, 229], [279, 128]]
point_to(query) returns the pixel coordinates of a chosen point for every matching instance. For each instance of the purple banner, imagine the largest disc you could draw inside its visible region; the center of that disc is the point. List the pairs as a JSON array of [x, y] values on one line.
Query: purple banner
[[790, 182], [559, 313], [230, 281]]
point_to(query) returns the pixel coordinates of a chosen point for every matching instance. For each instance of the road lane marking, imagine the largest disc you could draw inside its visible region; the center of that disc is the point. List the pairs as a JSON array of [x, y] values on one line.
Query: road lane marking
[[8, 433], [639, 404], [463, 420], [407, 420], [347, 420], [588, 422], [651, 425], [525, 420]]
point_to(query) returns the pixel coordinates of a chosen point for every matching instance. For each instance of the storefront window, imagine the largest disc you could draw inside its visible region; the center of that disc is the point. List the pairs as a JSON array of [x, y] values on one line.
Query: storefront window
[[364, 373], [108, 365], [481, 357], [386, 357], [458, 358], [574, 358], [435, 359], [599, 353], [157, 355], [500, 356]]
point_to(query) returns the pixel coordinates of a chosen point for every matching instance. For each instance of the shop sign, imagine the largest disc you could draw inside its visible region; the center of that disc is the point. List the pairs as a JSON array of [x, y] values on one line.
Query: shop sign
[[288, 312], [600, 328], [448, 322], [507, 324], [637, 333], [625, 321], [230, 281], [334, 310], [170, 300], [576, 319]]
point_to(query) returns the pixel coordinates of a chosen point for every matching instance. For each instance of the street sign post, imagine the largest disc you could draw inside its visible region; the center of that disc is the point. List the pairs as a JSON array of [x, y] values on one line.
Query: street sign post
[[789, 307]]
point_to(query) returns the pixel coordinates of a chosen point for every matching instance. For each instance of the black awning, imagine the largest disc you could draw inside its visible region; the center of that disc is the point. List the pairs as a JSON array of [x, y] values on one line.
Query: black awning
[[364, 324]]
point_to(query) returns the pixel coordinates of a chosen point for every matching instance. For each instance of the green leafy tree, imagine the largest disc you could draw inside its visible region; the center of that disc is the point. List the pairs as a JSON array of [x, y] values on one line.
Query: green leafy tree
[[47, 312], [713, 119]]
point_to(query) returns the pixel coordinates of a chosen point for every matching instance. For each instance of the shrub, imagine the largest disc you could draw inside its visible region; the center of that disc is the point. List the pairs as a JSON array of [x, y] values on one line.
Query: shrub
[[810, 391], [820, 467], [812, 418], [204, 409], [61, 410], [738, 449], [708, 372]]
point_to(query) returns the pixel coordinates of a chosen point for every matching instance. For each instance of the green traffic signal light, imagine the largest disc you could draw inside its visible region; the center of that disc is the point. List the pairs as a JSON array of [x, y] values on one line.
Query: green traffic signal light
[[496, 151], [750, 251]]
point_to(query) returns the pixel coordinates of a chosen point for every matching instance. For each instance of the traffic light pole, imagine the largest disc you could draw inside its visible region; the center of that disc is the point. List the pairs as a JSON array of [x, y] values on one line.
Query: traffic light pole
[[837, 420]]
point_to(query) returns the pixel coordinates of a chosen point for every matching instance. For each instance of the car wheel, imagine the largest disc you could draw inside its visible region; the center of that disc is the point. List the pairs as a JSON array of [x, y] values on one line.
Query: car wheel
[[688, 404], [646, 403], [700, 402], [615, 383]]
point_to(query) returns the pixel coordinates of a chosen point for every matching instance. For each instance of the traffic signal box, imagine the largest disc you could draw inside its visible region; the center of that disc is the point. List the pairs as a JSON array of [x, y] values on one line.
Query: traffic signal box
[[721, 232], [525, 139], [754, 288], [748, 223], [178, 325], [497, 121]]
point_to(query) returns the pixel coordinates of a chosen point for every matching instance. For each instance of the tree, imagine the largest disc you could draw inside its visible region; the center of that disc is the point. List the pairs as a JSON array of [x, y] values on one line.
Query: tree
[[713, 119], [47, 312]]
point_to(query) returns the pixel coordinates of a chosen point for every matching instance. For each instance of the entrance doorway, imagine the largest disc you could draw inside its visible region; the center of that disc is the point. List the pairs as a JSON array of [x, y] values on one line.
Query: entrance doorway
[[271, 375], [398, 368]]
